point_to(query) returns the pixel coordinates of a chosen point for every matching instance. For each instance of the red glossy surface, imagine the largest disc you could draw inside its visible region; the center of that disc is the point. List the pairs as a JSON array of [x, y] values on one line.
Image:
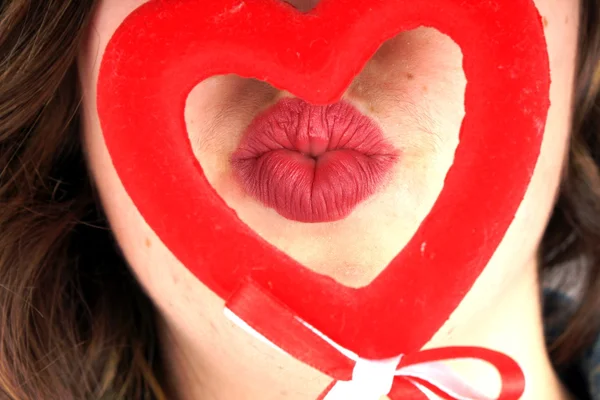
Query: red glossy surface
[[165, 48]]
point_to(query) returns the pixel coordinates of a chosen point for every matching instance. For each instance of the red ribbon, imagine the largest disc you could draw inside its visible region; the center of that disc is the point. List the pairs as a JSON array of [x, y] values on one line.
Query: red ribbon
[[511, 375], [409, 387], [280, 326]]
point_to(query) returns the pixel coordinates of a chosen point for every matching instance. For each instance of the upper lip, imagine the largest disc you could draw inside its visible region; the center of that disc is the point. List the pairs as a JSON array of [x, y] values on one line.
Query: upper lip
[[293, 116]]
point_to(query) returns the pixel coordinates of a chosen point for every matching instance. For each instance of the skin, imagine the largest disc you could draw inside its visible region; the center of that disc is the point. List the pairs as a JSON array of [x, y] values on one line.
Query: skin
[[414, 88]]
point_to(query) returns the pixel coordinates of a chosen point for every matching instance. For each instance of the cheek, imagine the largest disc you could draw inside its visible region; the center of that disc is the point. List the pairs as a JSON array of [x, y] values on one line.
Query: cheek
[[514, 259], [137, 241], [561, 22], [108, 15]]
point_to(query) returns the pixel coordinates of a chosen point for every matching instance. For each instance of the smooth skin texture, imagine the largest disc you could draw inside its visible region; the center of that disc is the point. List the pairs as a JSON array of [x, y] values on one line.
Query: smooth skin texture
[[414, 89]]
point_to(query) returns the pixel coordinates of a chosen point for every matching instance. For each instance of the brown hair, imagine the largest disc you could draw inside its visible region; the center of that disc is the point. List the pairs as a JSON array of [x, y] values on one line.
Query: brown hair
[[74, 324]]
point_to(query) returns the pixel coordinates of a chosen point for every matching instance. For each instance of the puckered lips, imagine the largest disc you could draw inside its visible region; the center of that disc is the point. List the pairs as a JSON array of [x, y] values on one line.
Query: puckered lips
[[313, 163]]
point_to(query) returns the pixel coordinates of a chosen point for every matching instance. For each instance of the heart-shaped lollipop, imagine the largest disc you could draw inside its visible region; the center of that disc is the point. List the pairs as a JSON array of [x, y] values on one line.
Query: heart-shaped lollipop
[[165, 48]]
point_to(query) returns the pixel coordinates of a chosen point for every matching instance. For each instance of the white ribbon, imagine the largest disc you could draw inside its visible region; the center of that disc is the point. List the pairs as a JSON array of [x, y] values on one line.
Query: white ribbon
[[373, 379]]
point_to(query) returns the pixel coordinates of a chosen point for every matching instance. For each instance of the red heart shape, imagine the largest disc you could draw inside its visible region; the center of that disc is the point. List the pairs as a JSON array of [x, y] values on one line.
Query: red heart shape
[[165, 48]]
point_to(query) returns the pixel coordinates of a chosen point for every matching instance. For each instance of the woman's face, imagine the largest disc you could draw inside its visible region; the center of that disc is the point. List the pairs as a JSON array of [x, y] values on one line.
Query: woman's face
[[412, 91]]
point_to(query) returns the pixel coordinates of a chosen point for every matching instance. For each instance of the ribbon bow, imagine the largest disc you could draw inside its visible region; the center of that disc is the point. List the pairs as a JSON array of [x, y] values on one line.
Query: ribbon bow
[[418, 376]]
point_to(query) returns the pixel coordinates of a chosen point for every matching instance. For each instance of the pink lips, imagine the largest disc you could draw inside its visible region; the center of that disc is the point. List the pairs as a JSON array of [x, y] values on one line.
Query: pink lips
[[313, 163]]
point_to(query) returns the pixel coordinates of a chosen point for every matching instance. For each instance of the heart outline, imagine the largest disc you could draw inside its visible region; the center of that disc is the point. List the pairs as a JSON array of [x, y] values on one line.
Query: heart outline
[[154, 60]]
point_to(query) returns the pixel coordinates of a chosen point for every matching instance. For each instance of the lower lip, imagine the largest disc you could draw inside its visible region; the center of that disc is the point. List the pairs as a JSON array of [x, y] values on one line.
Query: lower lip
[[313, 163]]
